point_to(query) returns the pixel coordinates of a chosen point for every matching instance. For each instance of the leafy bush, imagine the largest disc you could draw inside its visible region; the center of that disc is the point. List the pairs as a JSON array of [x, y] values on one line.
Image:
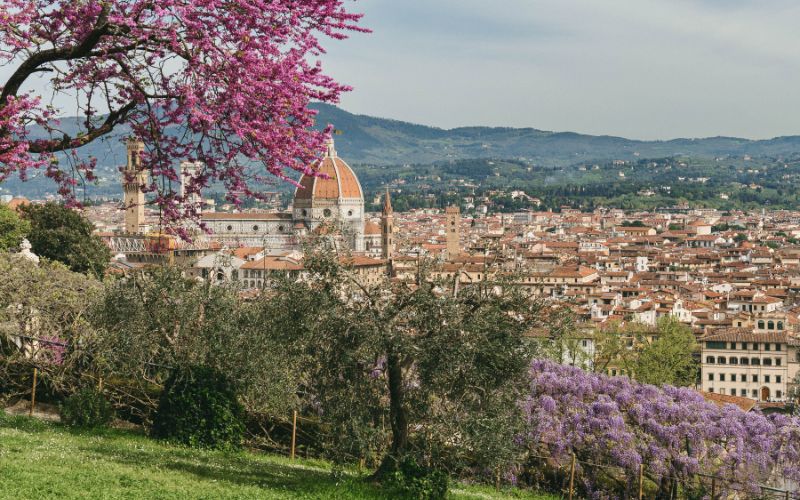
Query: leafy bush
[[413, 480], [199, 408], [86, 408]]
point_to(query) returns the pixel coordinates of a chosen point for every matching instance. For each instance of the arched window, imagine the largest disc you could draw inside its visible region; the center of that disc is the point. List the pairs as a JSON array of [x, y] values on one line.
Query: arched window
[[755, 361], [770, 325], [744, 361], [710, 360], [780, 325], [760, 324], [767, 362], [720, 360], [733, 361]]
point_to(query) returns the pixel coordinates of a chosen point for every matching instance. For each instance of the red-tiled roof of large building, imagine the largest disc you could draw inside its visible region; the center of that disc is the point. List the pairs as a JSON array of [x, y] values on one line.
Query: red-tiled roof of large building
[[745, 404], [335, 179]]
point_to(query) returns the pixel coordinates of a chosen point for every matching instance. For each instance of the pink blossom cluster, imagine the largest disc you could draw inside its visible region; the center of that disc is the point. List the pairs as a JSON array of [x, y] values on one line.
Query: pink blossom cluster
[[674, 432], [224, 82]]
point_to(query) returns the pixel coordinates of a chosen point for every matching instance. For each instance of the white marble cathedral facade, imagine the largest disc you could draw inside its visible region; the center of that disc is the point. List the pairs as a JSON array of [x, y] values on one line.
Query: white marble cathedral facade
[[335, 201]]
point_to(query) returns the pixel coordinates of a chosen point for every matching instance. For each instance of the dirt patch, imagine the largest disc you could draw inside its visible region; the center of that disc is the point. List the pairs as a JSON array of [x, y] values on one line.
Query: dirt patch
[[41, 411]]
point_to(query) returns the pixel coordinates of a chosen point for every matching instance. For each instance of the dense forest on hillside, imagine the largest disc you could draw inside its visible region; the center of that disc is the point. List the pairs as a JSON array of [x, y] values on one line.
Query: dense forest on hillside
[[430, 167], [727, 183]]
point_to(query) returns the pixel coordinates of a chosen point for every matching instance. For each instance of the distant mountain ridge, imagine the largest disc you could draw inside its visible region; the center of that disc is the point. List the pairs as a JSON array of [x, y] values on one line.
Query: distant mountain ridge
[[380, 141]]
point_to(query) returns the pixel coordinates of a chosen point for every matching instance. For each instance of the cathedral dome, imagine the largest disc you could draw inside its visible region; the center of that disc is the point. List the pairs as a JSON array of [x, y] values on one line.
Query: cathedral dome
[[341, 183]]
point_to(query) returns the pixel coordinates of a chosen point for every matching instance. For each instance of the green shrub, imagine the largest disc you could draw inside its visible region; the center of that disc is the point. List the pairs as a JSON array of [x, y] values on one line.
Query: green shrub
[[86, 408], [418, 482], [199, 408]]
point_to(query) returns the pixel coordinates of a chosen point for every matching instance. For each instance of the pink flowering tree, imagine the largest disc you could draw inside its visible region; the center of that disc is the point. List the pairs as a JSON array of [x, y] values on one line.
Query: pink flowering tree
[[224, 82]]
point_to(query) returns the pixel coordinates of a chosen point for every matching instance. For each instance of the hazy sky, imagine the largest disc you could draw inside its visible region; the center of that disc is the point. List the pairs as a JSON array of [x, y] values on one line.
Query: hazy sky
[[636, 68]]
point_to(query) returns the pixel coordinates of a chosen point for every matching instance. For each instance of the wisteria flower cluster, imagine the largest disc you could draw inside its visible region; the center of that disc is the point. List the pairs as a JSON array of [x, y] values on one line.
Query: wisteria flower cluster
[[224, 82], [677, 435]]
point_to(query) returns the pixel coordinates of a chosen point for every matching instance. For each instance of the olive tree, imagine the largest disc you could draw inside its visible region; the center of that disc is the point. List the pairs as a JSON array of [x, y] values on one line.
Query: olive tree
[[396, 370]]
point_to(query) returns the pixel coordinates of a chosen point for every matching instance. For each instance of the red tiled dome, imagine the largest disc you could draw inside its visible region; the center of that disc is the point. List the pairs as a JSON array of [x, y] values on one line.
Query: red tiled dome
[[341, 181]]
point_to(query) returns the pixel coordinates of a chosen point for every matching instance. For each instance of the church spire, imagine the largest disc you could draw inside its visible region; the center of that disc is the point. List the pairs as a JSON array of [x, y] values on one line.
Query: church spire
[[387, 203]]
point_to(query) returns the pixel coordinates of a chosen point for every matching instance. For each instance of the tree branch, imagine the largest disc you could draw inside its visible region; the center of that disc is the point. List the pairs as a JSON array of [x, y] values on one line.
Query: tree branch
[[112, 120], [32, 64]]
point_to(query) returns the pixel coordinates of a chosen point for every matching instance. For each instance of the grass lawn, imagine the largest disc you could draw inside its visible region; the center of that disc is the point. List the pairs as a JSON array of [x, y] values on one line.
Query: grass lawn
[[40, 460]]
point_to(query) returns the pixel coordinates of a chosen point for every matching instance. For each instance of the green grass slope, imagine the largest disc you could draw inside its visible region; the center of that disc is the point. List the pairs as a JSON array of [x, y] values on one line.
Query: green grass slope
[[46, 461]]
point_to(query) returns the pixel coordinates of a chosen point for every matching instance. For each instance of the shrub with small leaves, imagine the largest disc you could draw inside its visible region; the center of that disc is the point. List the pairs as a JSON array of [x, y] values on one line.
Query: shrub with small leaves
[[86, 408], [416, 481], [199, 408]]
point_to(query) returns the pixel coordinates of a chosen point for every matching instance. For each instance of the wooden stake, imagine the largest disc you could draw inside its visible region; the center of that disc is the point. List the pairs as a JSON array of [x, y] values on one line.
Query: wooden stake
[[641, 481], [713, 488], [294, 432], [33, 391], [572, 478], [100, 385]]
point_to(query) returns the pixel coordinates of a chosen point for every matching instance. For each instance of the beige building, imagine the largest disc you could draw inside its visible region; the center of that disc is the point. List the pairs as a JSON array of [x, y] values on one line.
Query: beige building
[[740, 362]]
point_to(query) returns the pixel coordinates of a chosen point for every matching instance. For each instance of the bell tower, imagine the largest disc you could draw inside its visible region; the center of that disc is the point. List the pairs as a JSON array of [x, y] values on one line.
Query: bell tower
[[387, 228], [133, 178], [453, 229]]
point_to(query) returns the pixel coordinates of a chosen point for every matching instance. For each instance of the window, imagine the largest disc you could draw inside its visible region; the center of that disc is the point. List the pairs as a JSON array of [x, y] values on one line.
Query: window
[[778, 379], [743, 377], [767, 361], [770, 326], [760, 324], [349, 213], [710, 360], [755, 361], [766, 379], [711, 377], [778, 394], [734, 361], [744, 361], [777, 361], [715, 345], [720, 360], [722, 377], [778, 346], [281, 228], [755, 393], [326, 212], [733, 377], [255, 228], [780, 327], [755, 378], [230, 228], [304, 212], [743, 393], [766, 346]]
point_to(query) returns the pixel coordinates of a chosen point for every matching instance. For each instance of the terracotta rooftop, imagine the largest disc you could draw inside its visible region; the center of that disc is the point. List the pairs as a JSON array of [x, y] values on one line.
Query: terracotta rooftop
[[335, 179]]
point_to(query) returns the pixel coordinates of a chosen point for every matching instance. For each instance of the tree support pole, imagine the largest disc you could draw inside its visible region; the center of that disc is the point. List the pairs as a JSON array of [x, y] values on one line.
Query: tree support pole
[[33, 391]]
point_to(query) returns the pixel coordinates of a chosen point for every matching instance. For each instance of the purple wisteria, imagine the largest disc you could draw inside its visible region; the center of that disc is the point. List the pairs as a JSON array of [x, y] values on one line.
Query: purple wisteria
[[677, 435]]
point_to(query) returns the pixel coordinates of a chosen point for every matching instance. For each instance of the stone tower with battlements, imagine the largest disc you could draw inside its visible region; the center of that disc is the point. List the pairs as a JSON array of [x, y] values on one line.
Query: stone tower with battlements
[[132, 181], [453, 229]]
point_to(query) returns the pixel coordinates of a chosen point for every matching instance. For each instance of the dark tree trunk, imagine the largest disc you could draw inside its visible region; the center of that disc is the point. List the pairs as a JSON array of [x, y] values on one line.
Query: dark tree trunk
[[398, 416], [397, 410]]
